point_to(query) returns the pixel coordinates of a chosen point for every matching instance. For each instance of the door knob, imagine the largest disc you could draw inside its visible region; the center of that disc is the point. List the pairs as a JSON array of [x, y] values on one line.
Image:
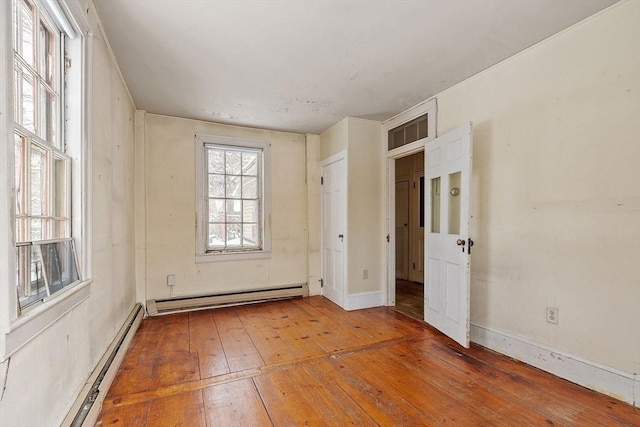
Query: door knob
[[460, 242], [340, 236]]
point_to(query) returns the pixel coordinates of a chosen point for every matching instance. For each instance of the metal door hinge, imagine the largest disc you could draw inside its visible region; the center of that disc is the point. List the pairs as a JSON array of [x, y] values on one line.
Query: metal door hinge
[[321, 283], [414, 265], [322, 180]]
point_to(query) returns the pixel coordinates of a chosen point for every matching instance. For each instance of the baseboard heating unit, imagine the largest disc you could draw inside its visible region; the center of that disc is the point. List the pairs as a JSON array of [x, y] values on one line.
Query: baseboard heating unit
[[157, 307], [86, 409]]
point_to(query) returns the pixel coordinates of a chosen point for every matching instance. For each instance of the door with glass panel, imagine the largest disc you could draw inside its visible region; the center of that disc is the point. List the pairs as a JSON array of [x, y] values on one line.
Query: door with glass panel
[[448, 245]]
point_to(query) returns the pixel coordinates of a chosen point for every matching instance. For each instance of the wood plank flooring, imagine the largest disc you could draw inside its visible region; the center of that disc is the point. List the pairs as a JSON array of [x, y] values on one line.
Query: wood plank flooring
[[308, 362]]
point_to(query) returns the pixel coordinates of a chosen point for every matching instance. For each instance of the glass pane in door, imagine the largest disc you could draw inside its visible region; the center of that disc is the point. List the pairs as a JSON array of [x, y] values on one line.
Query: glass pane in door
[[435, 205]]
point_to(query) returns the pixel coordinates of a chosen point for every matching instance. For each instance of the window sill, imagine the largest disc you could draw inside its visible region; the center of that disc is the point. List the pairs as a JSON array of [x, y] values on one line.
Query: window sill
[[36, 320], [231, 256]]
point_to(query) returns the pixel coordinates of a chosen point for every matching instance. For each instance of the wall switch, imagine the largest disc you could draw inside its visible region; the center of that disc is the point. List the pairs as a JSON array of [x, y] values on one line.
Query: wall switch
[[365, 274], [552, 315], [171, 280]]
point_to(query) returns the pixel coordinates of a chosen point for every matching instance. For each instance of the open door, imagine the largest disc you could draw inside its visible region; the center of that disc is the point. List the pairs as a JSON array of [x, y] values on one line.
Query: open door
[[447, 243]]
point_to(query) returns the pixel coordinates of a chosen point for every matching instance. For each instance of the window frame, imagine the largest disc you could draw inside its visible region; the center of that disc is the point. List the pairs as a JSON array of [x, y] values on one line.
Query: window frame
[[203, 253], [19, 328]]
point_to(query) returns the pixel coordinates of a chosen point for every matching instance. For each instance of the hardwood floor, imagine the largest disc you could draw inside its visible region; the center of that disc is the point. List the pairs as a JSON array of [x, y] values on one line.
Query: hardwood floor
[[308, 362]]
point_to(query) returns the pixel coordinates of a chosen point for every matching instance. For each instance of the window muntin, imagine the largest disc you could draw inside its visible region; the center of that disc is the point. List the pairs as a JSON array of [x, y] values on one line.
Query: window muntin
[[42, 168], [234, 198]]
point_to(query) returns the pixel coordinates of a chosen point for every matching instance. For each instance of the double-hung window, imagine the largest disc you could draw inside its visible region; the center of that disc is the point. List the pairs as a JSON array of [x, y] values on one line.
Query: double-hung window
[[232, 198], [46, 260]]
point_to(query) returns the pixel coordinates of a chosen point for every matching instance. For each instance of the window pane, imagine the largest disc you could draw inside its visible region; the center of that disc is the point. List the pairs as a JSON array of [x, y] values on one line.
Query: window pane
[[250, 211], [234, 211], [233, 187], [59, 188], [30, 277], [21, 230], [58, 262], [250, 237], [411, 133], [249, 187], [435, 205], [216, 210], [233, 235], [249, 163], [26, 100], [216, 235], [48, 116], [38, 181], [216, 185], [423, 128], [47, 55], [24, 36], [233, 163], [454, 203], [37, 229], [61, 229], [19, 174], [216, 161]]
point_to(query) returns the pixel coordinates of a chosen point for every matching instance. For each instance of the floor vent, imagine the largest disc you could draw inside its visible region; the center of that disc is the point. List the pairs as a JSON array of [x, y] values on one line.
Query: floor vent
[[86, 409], [157, 307]]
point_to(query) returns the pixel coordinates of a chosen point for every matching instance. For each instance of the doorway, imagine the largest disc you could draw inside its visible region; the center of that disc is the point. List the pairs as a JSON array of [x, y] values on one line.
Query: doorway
[[409, 235]]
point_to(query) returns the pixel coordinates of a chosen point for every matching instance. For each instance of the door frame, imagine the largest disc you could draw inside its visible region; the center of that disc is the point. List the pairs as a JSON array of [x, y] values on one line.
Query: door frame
[[341, 155], [389, 158]]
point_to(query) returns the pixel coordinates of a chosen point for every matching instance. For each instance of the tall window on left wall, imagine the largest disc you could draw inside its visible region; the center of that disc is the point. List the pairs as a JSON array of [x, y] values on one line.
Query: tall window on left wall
[[46, 255]]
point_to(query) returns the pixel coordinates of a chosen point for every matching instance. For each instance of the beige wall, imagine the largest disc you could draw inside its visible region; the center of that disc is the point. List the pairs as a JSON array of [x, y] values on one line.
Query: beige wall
[[171, 207], [313, 210], [45, 376], [361, 139], [334, 139], [556, 181], [364, 206]]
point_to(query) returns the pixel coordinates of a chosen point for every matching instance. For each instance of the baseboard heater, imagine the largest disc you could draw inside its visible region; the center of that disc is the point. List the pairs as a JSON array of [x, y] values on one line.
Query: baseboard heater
[[87, 407], [157, 307]]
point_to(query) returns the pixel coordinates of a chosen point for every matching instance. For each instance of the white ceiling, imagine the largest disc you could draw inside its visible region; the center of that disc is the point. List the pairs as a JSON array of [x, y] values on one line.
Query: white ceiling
[[304, 65]]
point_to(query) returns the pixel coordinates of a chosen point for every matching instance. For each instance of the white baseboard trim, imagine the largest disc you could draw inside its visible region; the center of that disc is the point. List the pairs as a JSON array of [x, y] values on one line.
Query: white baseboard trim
[[364, 300], [604, 379]]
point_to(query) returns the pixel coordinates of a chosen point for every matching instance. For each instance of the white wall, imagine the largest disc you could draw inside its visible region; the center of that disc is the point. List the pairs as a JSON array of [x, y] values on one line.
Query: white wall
[[171, 206], [556, 181], [44, 376]]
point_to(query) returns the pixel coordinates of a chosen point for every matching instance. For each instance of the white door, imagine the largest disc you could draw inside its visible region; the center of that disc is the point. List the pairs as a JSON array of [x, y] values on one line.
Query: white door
[[447, 243], [402, 230], [334, 215]]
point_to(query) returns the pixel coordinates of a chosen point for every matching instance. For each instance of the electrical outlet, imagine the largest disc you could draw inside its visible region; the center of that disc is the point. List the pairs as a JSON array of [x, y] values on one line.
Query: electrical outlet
[[171, 280], [552, 315], [365, 274]]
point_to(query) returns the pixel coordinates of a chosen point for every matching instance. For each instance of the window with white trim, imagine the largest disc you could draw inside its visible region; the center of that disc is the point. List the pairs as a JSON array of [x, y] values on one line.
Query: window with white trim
[[46, 260], [233, 198]]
